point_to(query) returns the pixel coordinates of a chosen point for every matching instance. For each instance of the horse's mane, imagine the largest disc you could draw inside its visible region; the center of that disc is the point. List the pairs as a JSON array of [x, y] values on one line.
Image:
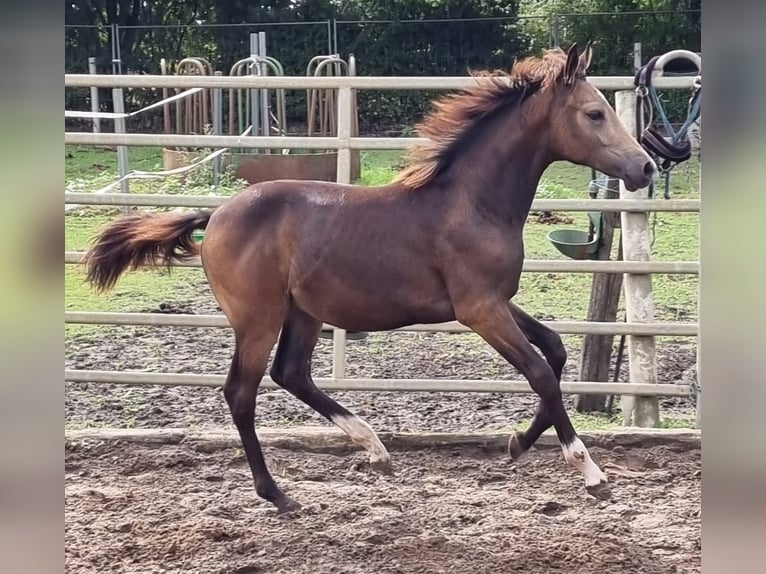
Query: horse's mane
[[456, 114]]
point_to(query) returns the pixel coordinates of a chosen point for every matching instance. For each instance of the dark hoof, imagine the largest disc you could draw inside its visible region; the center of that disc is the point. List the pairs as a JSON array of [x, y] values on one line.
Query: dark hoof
[[600, 491], [286, 505], [383, 467], [515, 450]]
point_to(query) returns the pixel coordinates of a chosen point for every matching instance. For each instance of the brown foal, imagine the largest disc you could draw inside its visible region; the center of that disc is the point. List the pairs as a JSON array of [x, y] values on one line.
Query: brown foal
[[442, 242]]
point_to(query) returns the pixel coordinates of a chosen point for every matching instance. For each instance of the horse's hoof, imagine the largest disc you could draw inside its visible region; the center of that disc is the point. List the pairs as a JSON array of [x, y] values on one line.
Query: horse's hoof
[[383, 466], [600, 491], [515, 450], [286, 505]]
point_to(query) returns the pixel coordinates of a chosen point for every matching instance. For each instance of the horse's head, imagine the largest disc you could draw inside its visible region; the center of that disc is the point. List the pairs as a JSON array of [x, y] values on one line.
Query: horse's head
[[586, 130]]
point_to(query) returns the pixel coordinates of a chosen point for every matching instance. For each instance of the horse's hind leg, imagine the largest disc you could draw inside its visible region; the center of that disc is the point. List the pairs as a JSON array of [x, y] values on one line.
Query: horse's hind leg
[[292, 371], [251, 354], [549, 343]]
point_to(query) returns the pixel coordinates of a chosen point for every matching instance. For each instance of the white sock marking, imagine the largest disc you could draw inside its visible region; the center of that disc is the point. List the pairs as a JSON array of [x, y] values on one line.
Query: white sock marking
[[362, 434], [577, 455]]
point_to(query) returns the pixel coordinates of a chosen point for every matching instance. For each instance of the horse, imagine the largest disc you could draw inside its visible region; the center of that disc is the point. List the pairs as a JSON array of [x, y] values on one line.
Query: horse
[[442, 242]]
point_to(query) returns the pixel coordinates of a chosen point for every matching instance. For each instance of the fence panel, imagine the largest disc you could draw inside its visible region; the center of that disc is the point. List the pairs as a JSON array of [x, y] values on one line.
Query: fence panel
[[637, 328]]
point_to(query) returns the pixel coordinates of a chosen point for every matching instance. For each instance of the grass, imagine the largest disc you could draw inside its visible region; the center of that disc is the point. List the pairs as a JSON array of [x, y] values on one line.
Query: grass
[[87, 162], [87, 168], [378, 167], [584, 422]]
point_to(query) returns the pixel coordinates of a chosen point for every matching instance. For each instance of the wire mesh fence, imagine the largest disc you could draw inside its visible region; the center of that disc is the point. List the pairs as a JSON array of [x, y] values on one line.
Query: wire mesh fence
[[381, 47]]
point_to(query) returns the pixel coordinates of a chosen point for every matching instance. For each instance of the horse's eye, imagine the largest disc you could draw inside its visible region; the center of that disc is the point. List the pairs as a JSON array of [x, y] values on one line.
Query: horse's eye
[[596, 115]]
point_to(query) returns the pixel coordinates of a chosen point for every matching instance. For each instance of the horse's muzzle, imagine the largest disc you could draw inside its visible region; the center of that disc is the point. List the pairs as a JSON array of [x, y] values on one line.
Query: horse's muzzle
[[640, 177]]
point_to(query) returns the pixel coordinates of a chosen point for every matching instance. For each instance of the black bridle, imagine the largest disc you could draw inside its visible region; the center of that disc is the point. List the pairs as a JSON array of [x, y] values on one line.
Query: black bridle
[[667, 152]]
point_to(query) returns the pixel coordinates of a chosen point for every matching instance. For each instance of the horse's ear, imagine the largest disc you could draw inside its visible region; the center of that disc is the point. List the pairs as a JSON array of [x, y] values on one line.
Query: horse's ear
[[586, 57], [573, 62]]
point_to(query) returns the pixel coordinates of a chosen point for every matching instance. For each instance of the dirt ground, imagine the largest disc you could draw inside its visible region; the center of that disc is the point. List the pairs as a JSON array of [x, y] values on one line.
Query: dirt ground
[[138, 508]]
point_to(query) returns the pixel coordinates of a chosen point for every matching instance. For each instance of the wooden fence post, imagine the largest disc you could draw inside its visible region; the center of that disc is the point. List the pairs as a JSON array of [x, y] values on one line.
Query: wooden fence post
[[345, 130], [639, 303], [596, 353]]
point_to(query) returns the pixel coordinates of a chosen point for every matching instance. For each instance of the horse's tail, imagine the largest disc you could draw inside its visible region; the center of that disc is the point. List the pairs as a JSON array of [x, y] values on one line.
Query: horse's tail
[[139, 240]]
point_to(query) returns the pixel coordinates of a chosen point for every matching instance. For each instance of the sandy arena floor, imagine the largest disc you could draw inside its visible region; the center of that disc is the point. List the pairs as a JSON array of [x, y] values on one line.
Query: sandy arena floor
[[171, 508]]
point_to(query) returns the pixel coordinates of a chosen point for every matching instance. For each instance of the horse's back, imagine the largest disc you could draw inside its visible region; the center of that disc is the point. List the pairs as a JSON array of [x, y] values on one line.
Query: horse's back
[[297, 220], [350, 255]]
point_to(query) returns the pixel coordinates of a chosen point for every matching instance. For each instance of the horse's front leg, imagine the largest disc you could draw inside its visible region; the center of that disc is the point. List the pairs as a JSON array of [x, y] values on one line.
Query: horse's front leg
[[494, 322]]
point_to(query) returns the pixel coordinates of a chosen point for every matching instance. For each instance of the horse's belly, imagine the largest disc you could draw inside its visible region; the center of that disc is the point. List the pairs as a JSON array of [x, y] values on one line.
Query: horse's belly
[[391, 319], [388, 303]]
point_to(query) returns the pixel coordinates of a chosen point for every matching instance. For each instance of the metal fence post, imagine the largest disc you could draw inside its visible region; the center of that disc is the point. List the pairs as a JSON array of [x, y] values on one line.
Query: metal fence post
[[551, 32], [329, 37], [554, 30], [116, 57], [264, 71], [345, 112], [334, 48], [122, 151], [217, 127], [94, 103], [639, 303], [118, 106], [255, 93]]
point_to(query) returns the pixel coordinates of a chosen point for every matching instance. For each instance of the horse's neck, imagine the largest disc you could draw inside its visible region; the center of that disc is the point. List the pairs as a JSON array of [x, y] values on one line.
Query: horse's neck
[[501, 170]]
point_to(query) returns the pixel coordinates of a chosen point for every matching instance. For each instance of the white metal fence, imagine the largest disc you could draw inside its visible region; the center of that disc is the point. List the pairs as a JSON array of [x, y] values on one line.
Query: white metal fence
[[640, 327]]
